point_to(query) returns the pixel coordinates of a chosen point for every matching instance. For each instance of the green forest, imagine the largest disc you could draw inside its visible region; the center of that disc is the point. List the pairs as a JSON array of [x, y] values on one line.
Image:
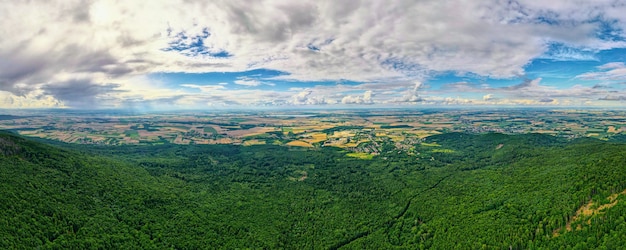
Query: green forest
[[469, 191]]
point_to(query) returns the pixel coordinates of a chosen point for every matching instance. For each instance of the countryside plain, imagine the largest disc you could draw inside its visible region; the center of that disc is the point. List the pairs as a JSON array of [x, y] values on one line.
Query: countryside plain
[[349, 129], [315, 179]]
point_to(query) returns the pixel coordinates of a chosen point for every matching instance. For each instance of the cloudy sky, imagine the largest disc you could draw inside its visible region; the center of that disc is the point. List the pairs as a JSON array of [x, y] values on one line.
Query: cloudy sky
[[188, 54]]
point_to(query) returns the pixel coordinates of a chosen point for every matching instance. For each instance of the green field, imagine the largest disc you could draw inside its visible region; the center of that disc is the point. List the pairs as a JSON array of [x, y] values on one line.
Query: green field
[[210, 130], [133, 134], [364, 156]]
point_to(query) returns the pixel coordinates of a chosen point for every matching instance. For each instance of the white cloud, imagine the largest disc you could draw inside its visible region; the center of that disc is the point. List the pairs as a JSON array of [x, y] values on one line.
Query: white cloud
[[614, 98], [532, 92], [612, 65], [570, 54], [408, 96], [204, 88], [365, 99], [106, 43], [248, 82], [614, 71], [305, 98], [31, 100], [302, 97]]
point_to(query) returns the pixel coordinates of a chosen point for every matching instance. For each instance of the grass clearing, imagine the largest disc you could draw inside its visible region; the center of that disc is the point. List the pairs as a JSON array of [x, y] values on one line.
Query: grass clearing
[[443, 150], [132, 133], [364, 156]]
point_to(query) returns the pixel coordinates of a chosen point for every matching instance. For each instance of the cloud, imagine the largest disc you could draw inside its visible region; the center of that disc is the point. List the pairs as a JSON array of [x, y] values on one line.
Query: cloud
[[305, 98], [528, 84], [248, 82], [527, 88], [559, 52], [143, 104], [365, 99], [601, 86], [34, 99], [612, 65], [81, 93], [193, 45], [385, 45], [409, 96], [613, 98], [205, 88], [614, 71], [302, 97], [530, 92], [546, 100]]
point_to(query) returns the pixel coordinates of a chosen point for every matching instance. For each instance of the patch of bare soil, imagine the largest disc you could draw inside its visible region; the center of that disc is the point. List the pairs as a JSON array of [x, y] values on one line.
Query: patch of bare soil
[[587, 210]]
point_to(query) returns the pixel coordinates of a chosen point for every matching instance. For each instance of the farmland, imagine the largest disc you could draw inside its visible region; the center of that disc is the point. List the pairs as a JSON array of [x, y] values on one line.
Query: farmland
[[357, 130]]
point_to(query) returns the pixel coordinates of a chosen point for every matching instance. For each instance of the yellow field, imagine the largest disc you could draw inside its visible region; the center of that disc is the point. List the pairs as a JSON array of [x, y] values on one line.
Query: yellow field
[[31, 133], [299, 144], [250, 132], [253, 142], [396, 138], [223, 141], [315, 137], [546, 131], [176, 129], [342, 134], [298, 130]]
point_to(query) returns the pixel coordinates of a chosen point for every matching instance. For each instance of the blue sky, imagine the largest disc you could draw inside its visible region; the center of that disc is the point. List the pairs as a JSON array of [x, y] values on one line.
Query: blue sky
[[167, 55]]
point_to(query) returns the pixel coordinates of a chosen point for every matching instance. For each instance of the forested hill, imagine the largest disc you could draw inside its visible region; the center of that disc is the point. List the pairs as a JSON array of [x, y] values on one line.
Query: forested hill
[[452, 191]]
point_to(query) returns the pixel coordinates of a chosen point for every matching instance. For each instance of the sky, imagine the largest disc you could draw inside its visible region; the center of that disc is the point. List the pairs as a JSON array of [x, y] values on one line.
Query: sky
[[192, 54]]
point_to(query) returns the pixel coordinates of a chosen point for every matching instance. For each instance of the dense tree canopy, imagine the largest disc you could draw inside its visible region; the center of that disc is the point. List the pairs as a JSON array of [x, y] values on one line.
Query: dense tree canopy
[[455, 191]]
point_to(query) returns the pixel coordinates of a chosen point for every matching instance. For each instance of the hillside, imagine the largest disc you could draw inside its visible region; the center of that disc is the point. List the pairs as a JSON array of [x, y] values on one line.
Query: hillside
[[518, 191]]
